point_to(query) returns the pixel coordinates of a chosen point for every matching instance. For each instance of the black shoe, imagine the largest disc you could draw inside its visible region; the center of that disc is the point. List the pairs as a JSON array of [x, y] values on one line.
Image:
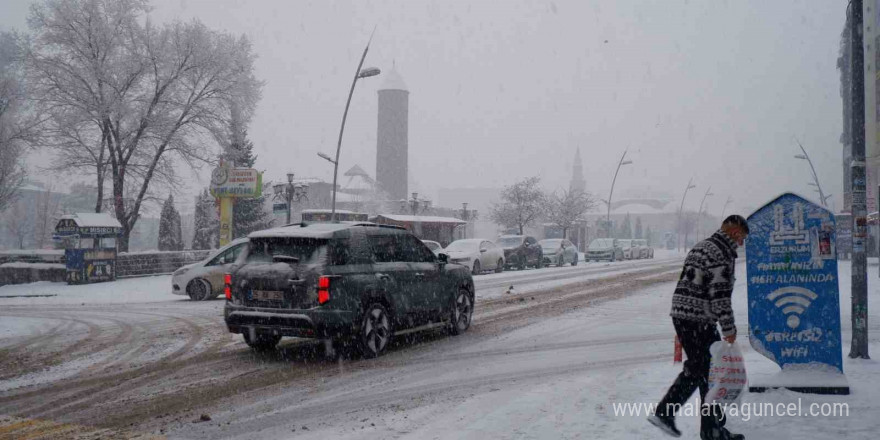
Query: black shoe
[[666, 424], [720, 434]]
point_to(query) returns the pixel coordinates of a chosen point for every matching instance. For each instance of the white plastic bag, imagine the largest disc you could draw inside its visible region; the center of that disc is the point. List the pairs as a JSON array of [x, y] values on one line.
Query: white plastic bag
[[727, 374]]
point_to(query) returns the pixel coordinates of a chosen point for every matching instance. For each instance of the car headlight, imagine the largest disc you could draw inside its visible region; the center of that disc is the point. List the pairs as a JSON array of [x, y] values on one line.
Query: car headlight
[[181, 271]]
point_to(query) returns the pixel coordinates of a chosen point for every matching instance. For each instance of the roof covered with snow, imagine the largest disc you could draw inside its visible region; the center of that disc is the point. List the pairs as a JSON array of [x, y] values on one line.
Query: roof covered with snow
[[93, 220], [421, 219], [356, 171]]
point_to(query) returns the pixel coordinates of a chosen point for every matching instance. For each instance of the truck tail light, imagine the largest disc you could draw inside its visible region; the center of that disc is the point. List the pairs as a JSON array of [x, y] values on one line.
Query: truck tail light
[[227, 286], [323, 290]]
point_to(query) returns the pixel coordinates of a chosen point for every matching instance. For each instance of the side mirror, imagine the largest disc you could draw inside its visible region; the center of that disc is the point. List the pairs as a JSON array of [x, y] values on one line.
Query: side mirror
[[442, 258]]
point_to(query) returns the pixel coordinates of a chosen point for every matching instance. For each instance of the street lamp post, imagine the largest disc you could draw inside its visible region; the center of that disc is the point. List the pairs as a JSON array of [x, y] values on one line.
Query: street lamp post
[[415, 205], [621, 163], [700, 213], [690, 186], [806, 157], [359, 73], [290, 192]]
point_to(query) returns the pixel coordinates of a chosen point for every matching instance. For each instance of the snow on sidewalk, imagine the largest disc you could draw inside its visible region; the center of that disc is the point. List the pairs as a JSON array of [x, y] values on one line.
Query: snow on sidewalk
[[581, 403], [126, 290]]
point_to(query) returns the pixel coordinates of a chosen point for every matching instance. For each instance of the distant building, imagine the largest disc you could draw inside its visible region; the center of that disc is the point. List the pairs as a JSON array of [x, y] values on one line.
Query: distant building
[[392, 137], [577, 174]]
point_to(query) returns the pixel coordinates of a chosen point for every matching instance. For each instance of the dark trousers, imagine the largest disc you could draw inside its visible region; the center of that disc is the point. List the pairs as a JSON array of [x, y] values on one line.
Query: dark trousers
[[695, 338]]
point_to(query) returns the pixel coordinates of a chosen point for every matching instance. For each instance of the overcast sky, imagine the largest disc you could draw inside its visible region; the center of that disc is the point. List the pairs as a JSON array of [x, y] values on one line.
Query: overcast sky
[[504, 90]]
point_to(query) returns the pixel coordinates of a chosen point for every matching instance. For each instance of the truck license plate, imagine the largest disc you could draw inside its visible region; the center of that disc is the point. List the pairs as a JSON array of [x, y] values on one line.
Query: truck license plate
[[267, 295]]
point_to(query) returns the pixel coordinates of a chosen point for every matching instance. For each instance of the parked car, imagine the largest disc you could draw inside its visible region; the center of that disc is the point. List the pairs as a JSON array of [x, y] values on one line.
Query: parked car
[[645, 250], [204, 280], [521, 251], [435, 247], [559, 251], [348, 282], [604, 249], [630, 249], [477, 254]]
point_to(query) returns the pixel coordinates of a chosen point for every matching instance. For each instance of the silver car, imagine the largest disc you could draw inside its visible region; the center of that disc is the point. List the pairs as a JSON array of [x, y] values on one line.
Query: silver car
[[204, 280], [477, 254], [645, 250], [604, 249], [559, 251]]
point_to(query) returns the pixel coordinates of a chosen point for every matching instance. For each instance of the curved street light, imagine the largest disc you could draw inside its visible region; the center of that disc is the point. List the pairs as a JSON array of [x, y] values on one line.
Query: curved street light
[[700, 212], [690, 186], [611, 193], [359, 73], [806, 157], [326, 157]]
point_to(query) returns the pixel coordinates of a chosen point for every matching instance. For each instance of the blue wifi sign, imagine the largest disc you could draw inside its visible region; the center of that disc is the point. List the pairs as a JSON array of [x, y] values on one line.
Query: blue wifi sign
[[794, 300]]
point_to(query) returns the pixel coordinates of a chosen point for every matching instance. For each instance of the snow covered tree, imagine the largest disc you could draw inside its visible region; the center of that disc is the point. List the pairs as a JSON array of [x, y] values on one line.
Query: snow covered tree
[[132, 101], [207, 224], [17, 127], [625, 228], [567, 207], [170, 236], [638, 231], [521, 205]]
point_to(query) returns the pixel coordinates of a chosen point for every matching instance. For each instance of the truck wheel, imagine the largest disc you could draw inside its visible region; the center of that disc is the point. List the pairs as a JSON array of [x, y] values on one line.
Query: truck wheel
[[375, 331], [263, 342], [462, 311]]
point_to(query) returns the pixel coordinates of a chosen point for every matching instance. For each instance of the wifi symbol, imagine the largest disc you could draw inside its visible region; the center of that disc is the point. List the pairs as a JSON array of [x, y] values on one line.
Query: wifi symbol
[[793, 301]]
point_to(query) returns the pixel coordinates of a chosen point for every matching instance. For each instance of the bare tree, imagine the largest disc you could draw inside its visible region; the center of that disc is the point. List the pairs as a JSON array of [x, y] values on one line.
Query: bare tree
[[17, 125], [567, 207], [521, 204], [133, 101]]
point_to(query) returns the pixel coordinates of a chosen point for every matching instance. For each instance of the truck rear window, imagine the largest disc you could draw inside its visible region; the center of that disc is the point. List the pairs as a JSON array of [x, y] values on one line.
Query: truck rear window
[[308, 250]]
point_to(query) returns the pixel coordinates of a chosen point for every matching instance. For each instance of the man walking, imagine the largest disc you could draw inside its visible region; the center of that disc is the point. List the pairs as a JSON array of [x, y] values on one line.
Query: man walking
[[702, 301]]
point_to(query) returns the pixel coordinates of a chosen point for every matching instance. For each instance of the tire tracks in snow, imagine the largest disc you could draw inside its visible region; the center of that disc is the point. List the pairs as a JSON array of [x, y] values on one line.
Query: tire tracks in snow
[[207, 371]]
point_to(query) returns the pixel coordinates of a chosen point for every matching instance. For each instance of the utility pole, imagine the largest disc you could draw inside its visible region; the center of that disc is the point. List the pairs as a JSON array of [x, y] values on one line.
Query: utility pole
[[859, 347], [680, 209]]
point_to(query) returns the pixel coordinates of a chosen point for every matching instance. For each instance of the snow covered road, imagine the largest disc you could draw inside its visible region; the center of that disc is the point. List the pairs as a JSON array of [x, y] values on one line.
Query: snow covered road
[[99, 358], [549, 361]]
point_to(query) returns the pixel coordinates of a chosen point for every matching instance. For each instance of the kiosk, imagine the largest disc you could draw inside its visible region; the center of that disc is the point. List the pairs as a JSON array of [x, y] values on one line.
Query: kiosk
[[89, 242]]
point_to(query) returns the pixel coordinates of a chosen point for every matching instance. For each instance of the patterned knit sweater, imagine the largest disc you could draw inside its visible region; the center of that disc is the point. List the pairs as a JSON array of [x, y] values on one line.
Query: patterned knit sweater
[[706, 283]]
